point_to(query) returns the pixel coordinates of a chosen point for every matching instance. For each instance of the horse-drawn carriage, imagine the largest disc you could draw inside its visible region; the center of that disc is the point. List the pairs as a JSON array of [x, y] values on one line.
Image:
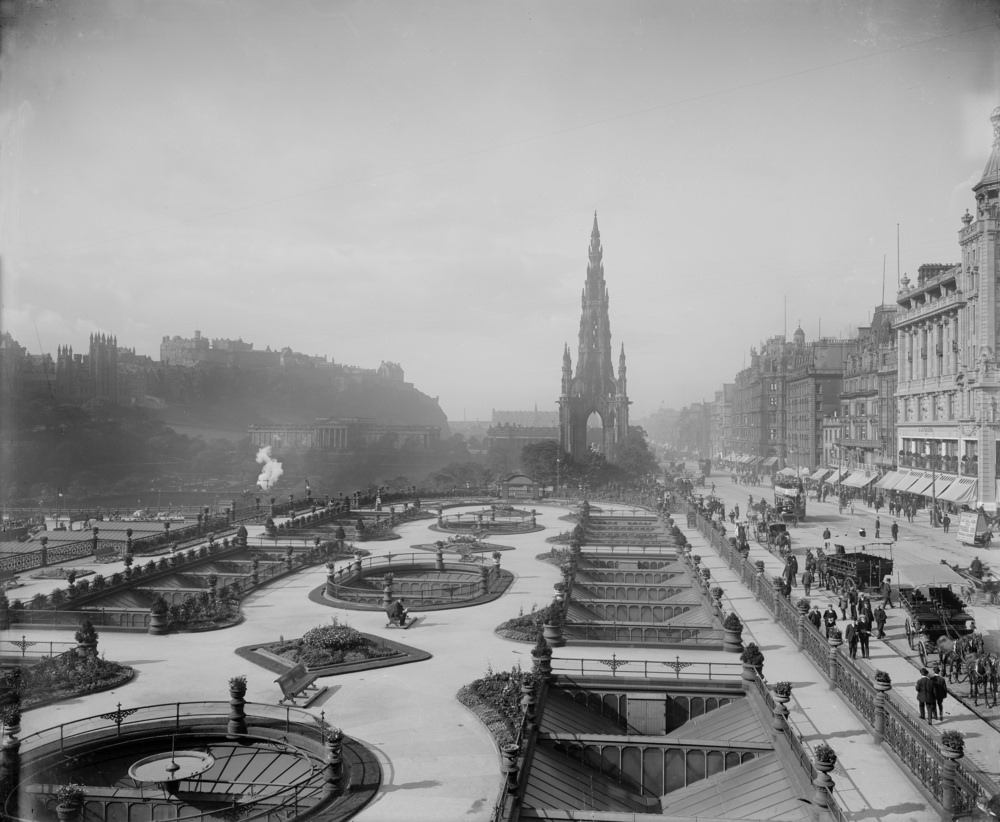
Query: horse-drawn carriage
[[858, 565], [984, 590], [935, 614]]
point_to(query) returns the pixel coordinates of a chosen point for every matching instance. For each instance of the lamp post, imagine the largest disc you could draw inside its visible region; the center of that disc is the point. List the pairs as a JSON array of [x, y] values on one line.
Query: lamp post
[[558, 461]]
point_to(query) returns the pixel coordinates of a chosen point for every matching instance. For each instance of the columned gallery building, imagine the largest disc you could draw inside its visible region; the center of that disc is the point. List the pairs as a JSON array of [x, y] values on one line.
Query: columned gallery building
[[948, 388]]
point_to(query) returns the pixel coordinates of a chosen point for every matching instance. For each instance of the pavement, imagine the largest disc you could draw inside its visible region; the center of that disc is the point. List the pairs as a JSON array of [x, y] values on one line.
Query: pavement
[[439, 762]]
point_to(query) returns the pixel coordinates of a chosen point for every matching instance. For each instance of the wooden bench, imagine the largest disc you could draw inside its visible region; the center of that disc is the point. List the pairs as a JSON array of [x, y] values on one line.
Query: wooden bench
[[409, 621], [297, 683]]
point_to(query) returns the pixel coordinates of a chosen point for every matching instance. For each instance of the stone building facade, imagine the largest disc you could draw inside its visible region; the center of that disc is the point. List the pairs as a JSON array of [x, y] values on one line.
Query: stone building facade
[[948, 387]]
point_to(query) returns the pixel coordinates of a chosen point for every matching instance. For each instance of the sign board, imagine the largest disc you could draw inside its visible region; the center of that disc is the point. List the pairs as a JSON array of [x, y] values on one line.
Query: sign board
[[969, 526]]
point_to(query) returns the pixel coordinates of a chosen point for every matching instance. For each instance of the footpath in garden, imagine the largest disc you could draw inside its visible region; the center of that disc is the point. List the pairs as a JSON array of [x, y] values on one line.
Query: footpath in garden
[[870, 782]]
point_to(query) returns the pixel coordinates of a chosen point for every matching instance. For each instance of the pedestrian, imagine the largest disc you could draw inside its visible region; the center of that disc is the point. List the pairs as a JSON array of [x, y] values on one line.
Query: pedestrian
[[829, 619], [851, 635], [887, 592], [894, 530], [807, 580], [826, 538], [880, 619], [940, 691], [794, 563], [815, 617], [864, 633], [842, 604], [946, 522], [925, 696], [878, 527], [852, 599], [866, 607], [820, 567]]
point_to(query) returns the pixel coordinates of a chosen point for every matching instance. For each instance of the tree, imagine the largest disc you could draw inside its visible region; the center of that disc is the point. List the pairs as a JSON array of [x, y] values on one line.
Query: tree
[[539, 461], [636, 460]]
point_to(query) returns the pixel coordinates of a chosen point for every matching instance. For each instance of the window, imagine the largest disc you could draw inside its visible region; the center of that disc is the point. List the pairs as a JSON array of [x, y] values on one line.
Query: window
[[774, 400]]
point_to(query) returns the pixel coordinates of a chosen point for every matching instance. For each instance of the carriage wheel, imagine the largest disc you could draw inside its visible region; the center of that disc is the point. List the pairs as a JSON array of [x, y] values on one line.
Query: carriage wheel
[[832, 584], [968, 595], [909, 633], [922, 650]]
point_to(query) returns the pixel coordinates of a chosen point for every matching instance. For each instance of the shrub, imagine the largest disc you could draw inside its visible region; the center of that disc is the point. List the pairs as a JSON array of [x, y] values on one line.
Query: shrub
[[717, 592], [752, 655], [733, 622], [70, 795], [882, 676], [824, 753], [783, 688], [116, 578], [159, 605], [334, 637], [83, 586], [57, 598], [953, 739]]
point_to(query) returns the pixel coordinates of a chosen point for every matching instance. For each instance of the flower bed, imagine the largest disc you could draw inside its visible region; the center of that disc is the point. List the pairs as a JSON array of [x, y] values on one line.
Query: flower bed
[[526, 627], [68, 675], [331, 644], [496, 701]]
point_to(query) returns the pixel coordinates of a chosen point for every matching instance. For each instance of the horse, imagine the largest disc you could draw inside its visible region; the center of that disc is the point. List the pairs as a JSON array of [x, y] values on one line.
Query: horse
[[979, 671]]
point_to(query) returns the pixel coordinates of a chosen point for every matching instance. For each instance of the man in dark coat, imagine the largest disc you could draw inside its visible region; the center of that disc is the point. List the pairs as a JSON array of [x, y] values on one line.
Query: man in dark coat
[[880, 619], [940, 691], [851, 636], [894, 530], [816, 618], [864, 633], [925, 696], [829, 619]]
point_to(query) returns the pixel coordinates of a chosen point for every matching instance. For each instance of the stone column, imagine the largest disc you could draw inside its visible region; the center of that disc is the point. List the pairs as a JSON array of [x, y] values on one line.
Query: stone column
[[510, 753], [948, 780], [334, 762], [439, 561], [823, 784], [387, 596], [881, 688], [484, 581], [835, 643], [780, 715], [237, 725]]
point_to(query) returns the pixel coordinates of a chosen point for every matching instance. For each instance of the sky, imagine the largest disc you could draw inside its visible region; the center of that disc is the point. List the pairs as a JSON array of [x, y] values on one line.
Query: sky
[[416, 181]]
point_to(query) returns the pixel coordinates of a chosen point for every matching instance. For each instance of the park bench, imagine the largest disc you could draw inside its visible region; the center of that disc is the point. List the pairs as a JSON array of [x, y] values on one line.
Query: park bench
[[296, 683], [409, 621]]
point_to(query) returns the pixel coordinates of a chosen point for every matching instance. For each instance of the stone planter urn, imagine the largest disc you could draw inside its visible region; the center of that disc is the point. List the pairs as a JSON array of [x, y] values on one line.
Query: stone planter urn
[[732, 640], [158, 623], [542, 664], [237, 724], [706, 574], [552, 631]]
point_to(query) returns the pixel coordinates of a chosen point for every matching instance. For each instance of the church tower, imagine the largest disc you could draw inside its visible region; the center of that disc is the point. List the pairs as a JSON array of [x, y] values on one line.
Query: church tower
[[594, 388]]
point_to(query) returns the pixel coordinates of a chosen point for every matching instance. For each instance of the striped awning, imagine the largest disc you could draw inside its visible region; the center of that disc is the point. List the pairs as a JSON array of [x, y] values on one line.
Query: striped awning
[[905, 478], [962, 490], [888, 480], [770, 461], [858, 479], [838, 474], [818, 475], [924, 482]]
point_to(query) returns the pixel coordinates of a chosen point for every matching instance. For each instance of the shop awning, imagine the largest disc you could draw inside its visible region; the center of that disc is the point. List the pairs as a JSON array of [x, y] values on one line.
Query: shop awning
[[924, 482], [818, 475], [838, 473], [858, 479], [744, 459], [769, 461], [904, 477], [888, 480], [754, 460], [963, 490], [934, 488]]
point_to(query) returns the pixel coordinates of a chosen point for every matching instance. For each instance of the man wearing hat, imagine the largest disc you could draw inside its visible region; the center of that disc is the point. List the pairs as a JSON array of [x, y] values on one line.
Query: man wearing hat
[[925, 696], [940, 691]]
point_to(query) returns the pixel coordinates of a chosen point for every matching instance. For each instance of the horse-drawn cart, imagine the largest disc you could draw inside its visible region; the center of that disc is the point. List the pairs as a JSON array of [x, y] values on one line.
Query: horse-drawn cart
[[975, 590], [858, 565], [936, 615]]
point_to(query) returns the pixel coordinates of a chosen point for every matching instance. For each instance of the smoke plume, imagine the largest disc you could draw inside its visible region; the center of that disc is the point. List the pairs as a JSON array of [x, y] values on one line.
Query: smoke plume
[[272, 470]]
